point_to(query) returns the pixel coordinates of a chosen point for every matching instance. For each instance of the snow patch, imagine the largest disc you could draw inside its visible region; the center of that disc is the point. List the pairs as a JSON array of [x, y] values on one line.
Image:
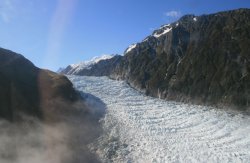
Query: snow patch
[[195, 19], [146, 39], [131, 47], [164, 26], [163, 33]]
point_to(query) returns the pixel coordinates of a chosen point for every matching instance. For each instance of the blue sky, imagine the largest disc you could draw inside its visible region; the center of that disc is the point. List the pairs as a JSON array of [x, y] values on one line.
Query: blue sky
[[55, 33]]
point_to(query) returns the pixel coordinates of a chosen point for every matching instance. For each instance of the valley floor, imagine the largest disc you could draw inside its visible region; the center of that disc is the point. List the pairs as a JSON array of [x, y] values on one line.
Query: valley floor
[[143, 129]]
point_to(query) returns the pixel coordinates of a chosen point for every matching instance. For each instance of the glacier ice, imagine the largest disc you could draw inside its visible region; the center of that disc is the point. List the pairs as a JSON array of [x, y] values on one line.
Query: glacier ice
[[145, 129]]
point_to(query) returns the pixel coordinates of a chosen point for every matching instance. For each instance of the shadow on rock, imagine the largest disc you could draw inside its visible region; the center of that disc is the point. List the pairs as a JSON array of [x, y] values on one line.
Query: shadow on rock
[[98, 107]]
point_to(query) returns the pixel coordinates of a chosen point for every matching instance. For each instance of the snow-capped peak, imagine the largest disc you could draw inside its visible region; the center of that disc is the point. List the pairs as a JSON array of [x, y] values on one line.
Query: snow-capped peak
[[88, 64]]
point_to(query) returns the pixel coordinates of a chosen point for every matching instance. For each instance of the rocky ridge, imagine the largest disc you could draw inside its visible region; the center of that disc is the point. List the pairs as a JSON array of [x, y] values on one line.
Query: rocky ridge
[[200, 59]]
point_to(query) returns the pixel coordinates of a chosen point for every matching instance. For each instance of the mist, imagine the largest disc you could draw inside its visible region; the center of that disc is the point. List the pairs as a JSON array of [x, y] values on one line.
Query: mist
[[31, 140]]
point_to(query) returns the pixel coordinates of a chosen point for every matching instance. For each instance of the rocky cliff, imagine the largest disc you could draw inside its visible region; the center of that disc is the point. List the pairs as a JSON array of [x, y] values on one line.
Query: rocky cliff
[[203, 59]]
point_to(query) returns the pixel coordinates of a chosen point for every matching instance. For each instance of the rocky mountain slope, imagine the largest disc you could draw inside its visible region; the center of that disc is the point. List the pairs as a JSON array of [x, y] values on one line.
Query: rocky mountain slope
[[203, 59], [26, 89], [42, 117]]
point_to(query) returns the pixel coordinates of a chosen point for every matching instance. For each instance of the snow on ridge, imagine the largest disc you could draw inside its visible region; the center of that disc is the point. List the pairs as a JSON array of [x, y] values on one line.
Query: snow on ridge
[[195, 19], [131, 47], [146, 39], [162, 30], [163, 33], [164, 26], [88, 64]]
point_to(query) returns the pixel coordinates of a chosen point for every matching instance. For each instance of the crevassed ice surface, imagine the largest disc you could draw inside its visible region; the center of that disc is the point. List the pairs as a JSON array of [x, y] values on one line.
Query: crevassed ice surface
[[145, 129]]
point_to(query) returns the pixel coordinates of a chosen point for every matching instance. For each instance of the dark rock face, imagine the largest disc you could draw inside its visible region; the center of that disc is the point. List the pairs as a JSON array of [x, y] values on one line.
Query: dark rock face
[[202, 59], [30, 90]]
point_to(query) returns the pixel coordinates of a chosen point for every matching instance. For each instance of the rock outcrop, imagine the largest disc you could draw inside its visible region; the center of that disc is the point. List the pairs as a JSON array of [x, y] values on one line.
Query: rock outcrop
[[202, 59]]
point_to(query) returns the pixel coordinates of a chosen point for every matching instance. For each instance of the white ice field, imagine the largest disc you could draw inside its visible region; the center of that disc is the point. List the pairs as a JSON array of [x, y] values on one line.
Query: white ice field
[[143, 129]]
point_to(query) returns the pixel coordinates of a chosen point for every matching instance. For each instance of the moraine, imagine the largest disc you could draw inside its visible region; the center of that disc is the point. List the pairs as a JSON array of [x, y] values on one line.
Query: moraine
[[145, 129]]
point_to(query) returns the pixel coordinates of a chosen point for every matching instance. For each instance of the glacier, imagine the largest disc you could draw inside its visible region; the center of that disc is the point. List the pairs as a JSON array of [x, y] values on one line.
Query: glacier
[[138, 128]]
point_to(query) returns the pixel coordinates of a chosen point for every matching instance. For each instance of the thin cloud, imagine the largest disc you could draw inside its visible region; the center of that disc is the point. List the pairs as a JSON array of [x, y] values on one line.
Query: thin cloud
[[6, 10], [173, 14]]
